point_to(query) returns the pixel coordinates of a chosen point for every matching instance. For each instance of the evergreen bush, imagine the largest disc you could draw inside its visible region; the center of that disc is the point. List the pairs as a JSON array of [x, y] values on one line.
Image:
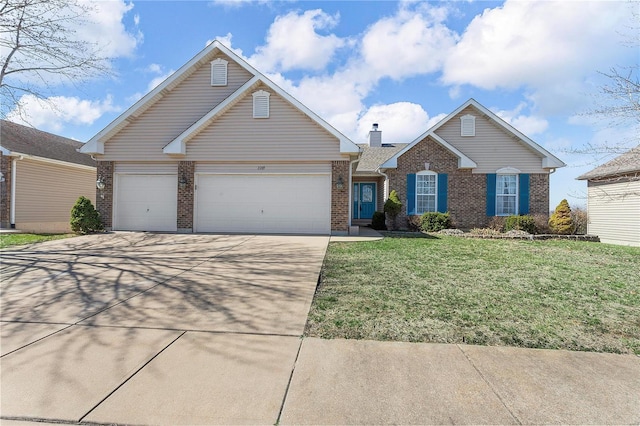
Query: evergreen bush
[[84, 217], [560, 221], [392, 207], [521, 223], [377, 221], [434, 222]]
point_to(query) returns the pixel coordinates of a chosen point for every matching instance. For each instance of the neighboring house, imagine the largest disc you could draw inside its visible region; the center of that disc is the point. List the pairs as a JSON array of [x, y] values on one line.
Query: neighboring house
[[42, 177], [218, 147], [613, 199], [471, 164]]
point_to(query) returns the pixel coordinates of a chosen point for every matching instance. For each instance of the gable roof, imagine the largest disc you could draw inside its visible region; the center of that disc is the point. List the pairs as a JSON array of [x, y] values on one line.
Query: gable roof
[[372, 157], [16, 139], [629, 162], [549, 161], [176, 147]]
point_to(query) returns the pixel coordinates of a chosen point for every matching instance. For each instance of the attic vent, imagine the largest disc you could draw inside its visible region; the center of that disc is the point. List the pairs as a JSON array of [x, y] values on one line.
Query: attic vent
[[261, 104], [467, 125], [219, 72]]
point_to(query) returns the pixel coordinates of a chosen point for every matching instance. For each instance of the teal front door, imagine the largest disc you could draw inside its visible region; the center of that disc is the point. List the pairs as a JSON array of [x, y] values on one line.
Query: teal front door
[[364, 200]]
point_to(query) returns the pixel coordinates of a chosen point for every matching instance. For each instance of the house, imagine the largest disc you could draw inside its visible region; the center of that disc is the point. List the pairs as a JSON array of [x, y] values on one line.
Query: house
[[613, 199], [471, 164], [42, 177], [218, 147]]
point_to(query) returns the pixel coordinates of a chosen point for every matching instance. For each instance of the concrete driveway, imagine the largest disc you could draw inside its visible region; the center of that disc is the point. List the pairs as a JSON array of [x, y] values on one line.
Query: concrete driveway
[[154, 328]]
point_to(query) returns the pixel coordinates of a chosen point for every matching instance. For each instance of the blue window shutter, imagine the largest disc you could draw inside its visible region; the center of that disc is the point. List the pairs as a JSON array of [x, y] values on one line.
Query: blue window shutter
[[442, 192], [523, 203], [411, 194], [491, 194]]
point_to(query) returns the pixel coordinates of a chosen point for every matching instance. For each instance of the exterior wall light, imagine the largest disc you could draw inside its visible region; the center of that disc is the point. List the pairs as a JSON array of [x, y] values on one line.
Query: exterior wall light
[[182, 183], [340, 183], [100, 185]]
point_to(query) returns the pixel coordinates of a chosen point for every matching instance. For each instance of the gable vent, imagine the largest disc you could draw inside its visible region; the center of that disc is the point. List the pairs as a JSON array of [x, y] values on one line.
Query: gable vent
[[467, 125], [261, 104], [219, 72]]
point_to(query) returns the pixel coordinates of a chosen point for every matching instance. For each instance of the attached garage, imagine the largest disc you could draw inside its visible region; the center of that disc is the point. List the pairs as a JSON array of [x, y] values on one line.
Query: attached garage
[[146, 201], [264, 203]]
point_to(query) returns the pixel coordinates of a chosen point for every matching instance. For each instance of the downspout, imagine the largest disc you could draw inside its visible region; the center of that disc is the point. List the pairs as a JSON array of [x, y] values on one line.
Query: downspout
[[386, 184], [12, 218], [351, 163]]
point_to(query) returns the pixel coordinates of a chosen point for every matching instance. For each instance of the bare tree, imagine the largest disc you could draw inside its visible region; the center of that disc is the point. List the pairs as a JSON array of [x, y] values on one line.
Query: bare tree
[[40, 48]]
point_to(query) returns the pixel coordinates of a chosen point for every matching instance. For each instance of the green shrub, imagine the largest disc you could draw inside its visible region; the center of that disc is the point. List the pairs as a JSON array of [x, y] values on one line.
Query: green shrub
[[561, 221], [377, 221], [434, 222], [392, 207], [521, 223], [84, 217]]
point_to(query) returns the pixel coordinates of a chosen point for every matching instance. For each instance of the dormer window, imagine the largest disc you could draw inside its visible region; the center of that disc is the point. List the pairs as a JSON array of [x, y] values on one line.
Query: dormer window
[[219, 72], [261, 104], [467, 125]]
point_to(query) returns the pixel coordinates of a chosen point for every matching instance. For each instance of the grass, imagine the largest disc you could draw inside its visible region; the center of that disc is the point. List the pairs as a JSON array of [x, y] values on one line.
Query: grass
[[8, 239], [537, 294]]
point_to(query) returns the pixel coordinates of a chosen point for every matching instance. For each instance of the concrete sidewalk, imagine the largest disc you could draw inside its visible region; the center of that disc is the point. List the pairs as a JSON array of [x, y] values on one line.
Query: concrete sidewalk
[[366, 382]]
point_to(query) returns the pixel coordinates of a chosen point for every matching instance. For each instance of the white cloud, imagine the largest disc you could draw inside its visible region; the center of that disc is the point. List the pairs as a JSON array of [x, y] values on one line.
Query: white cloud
[[528, 124], [54, 112], [412, 42], [549, 47], [156, 81], [154, 68], [105, 28], [293, 43], [399, 122]]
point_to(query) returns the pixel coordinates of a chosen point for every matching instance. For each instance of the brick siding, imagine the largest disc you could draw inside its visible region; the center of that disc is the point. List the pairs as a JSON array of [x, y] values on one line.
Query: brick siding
[[186, 171], [5, 191], [340, 197], [466, 192], [104, 198]]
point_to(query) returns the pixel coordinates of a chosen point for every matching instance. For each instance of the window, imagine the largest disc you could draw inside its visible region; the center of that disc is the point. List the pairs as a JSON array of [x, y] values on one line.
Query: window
[[261, 104], [467, 125], [219, 72], [506, 195], [426, 192]]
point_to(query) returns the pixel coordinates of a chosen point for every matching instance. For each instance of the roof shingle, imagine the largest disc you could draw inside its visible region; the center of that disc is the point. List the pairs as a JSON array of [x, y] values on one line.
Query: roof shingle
[[372, 157], [629, 162], [27, 140]]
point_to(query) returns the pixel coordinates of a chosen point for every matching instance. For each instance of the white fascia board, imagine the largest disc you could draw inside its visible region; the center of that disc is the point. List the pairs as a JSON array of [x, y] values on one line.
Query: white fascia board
[[5, 151], [178, 145], [94, 146], [157, 93], [464, 162], [548, 160], [52, 161], [347, 146]]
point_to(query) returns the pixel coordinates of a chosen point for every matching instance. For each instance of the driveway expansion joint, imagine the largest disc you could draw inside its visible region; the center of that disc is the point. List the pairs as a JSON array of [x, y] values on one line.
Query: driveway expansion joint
[[131, 376], [490, 385]]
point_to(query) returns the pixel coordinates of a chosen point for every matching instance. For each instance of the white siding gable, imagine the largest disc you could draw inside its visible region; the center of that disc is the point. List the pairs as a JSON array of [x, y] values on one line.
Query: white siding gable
[[261, 104], [219, 72]]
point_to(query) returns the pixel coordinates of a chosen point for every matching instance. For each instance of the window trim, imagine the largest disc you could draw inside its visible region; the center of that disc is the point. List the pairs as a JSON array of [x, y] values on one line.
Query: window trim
[[435, 194], [214, 64], [467, 118], [257, 95], [508, 171]]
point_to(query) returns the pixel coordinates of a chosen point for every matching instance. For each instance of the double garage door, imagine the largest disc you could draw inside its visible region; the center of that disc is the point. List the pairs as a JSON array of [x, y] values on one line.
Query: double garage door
[[251, 203]]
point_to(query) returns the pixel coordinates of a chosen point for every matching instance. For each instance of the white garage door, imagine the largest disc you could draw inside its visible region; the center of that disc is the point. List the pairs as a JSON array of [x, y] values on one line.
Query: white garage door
[[146, 202], [294, 204]]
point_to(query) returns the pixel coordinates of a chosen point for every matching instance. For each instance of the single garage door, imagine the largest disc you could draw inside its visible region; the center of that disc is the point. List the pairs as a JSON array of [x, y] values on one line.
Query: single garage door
[[293, 204], [146, 202]]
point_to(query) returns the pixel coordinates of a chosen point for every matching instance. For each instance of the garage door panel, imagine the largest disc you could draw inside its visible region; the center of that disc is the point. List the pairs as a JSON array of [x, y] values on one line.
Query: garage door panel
[[263, 203], [146, 203]]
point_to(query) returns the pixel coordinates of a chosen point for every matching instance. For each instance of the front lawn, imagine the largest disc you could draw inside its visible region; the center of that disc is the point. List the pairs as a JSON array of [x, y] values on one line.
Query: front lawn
[[9, 239], [537, 294]]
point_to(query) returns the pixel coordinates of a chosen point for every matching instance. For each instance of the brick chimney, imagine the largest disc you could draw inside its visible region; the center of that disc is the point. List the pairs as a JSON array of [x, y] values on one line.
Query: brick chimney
[[375, 136]]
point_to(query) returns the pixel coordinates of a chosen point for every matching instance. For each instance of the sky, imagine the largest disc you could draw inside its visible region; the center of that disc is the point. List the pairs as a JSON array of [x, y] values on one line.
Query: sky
[[404, 65]]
